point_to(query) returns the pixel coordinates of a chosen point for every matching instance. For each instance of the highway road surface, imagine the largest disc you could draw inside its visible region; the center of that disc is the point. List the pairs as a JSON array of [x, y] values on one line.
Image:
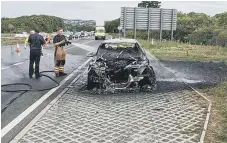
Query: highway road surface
[[175, 112]]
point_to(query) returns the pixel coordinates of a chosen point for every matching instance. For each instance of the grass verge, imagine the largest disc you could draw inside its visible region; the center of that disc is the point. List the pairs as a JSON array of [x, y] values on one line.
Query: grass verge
[[181, 51], [7, 34], [13, 41], [217, 128]]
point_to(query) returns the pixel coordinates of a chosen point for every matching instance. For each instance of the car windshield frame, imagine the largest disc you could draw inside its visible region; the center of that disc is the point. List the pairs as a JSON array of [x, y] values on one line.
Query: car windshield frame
[[120, 45], [140, 50]]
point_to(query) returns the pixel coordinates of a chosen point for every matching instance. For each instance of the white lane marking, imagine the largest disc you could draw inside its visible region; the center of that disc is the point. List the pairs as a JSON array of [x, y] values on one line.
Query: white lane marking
[[210, 103], [182, 79], [86, 47], [13, 65], [77, 43], [43, 56], [18, 63], [5, 68], [20, 117], [28, 127]]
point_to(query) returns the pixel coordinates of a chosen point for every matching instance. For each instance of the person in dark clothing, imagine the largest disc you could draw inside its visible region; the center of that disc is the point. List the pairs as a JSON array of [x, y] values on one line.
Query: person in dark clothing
[[35, 42], [59, 56]]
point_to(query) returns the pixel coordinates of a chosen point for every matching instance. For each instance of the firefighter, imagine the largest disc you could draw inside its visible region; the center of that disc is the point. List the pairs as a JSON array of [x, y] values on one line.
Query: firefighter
[[47, 39], [59, 55], [26, 40], [35, 42]]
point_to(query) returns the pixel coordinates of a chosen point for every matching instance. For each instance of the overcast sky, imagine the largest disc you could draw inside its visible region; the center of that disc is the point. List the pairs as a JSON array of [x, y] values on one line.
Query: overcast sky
[[100, 10]]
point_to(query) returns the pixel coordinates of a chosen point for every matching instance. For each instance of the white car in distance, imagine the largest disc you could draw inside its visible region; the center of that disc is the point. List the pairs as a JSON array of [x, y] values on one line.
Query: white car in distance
[[23, 34]]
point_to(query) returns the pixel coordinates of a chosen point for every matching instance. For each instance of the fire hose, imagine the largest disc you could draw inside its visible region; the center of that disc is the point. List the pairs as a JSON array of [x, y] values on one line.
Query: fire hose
[[26, 90], [30, 86]]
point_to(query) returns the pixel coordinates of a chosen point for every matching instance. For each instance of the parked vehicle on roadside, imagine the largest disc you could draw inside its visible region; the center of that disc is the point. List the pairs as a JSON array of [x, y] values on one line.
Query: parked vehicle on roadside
[[76, 35], [21, 35], [68, 34], [82, 34], [85, 34]]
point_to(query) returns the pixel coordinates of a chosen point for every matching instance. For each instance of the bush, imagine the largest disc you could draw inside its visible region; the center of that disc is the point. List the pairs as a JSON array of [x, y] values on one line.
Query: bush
[[26, 23]]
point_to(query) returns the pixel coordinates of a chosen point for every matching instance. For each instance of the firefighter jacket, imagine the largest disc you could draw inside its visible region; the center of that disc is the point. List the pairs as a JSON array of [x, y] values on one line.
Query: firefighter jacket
[[60, 53]]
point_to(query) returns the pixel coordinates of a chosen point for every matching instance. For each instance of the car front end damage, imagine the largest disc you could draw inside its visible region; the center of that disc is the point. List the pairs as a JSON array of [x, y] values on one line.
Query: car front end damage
[[121, 74]]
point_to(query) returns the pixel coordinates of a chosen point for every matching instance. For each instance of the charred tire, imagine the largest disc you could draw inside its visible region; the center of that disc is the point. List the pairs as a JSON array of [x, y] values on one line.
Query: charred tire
[[90, 82], [96, 38], [100, 84], [150, 79]]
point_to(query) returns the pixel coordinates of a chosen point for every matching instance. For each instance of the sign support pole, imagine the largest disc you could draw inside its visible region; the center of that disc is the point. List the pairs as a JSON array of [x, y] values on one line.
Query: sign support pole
[[135, 17], [172, 25], [124, 21], [148, 27], [161, 18]]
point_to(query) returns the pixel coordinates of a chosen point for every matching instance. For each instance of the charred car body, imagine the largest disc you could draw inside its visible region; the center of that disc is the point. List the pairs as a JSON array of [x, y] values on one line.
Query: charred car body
[[120, 64]]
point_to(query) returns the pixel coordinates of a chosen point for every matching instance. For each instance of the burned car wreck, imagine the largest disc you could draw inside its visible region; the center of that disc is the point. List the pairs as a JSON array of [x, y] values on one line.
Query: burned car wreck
[[120, 64]]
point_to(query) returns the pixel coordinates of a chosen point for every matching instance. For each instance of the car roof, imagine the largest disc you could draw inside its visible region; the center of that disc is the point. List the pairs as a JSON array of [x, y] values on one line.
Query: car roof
[[124, 40]]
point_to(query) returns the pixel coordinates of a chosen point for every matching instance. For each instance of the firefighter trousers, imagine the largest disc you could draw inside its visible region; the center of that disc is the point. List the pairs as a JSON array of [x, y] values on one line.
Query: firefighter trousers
[[59, 59], [35, 55], [59, 66]]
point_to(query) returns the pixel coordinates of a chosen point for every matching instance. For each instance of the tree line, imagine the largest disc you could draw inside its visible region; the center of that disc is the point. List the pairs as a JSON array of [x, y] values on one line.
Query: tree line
[[195, 28], [80, 28], [44, 23]]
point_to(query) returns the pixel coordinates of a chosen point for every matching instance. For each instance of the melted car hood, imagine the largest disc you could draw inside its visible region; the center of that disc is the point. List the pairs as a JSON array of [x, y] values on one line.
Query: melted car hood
[[123, 54]]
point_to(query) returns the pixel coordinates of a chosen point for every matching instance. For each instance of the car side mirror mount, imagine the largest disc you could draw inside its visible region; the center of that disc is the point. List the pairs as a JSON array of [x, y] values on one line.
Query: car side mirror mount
[[90, 54]]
